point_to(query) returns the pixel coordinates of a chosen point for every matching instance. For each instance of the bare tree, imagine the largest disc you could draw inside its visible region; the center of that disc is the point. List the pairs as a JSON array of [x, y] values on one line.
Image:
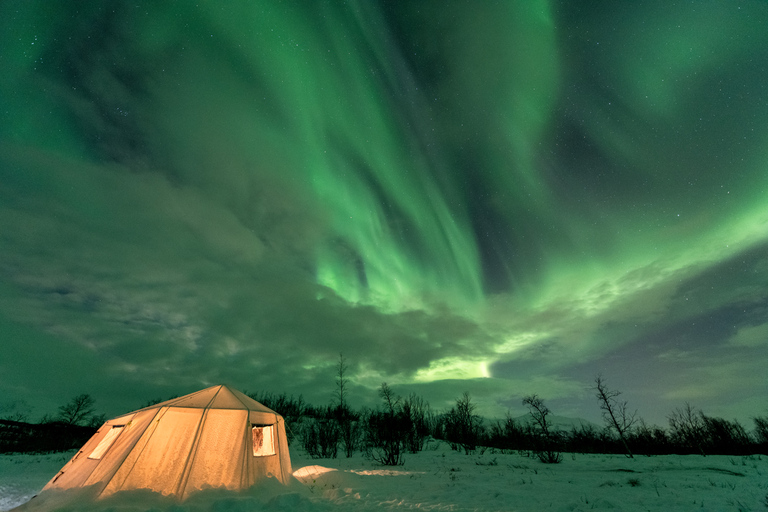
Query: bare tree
[[539, 412], [391, 400], [341, 382], [463, 428], [615, 413], [76, 410], [344, 415], [386, 432], [17, 416], [416, 409], [687, 428]]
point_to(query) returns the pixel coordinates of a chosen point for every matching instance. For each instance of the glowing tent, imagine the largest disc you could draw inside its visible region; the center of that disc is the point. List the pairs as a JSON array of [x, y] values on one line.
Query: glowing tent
[[214, 438]]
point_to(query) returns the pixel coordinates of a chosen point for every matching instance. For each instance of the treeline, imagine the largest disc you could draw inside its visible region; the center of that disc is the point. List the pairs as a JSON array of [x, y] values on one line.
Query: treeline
[[385, 434], [71, 427], [704, 435], [402, 425], [53, 436]]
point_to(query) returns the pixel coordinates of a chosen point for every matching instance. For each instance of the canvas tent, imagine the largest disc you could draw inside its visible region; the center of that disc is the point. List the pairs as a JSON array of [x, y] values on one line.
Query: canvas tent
[[214, 438]]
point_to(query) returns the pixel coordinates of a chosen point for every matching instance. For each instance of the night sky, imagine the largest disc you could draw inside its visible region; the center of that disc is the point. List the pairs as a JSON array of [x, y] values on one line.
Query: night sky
[[503, 198]]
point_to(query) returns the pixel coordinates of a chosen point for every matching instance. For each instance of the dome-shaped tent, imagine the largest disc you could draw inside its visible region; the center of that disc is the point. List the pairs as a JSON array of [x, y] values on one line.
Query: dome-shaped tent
[[214, 438]]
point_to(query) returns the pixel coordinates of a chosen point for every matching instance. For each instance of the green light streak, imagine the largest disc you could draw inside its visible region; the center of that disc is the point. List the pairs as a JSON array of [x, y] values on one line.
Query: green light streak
[[405, 145]]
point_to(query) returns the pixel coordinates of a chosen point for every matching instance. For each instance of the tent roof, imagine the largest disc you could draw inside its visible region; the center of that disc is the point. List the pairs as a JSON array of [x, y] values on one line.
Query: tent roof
[[214, 397]]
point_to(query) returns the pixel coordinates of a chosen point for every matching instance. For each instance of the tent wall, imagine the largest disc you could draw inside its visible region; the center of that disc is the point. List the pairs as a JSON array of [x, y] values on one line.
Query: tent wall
[[121, 448], [274, 466], [202, 440], [79, 470], [286, 472], [224, 432], [164, 450]]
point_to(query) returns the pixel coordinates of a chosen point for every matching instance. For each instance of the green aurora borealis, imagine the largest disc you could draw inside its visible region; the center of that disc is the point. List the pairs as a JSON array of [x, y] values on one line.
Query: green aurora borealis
[[504, 198]]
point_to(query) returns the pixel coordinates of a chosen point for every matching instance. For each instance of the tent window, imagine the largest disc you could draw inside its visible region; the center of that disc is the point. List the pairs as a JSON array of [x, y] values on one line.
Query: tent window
[[105, 443], [263, 440]]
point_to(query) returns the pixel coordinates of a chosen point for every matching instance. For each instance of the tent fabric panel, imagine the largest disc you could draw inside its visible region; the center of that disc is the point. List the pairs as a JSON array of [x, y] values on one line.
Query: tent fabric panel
[[123, 469], [201, 399], [225, 399], [272, 466], [218, 459], [76, 472], [266, 467], [163, 460], [275, 466], [78, 469], [283, 453], [106, 442], [122, 420], [263, 418], [245, 466], [249, 402], [122, 446], [172, 401]]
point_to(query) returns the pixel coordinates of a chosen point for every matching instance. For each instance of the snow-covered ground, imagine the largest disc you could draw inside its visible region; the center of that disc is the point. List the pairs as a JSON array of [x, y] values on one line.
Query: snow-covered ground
[[439, 479]]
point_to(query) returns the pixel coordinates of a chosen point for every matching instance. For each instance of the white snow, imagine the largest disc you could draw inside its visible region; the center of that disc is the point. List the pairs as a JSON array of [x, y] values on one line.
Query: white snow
[[22, 476], [440, 479]]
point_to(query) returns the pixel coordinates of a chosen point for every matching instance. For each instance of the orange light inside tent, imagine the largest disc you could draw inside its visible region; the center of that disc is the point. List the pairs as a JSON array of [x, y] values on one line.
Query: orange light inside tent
[[263, 440], [105, 443]]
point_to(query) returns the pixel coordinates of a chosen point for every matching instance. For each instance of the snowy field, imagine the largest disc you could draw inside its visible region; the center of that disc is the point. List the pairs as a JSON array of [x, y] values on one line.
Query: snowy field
[[439, 479]]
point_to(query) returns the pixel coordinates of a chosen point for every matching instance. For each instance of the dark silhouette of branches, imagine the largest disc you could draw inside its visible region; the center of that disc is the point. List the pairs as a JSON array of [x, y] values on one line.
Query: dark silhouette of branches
[[77, 410], [615, 412], [344, 416], [761, 432], [724, 436], [462, 426], [545, 444], [341, 383], [386, 432], [320, 437], [687, 428], [416, 410], [538, 412]]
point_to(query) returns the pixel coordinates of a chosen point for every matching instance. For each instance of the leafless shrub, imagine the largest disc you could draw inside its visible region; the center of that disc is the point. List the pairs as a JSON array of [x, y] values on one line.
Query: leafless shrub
[[463, 428], [386, 432], [416, 409], [687, 428], [761, 430], [320, 438], [615, 412], [77, 410], [545, 449]]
